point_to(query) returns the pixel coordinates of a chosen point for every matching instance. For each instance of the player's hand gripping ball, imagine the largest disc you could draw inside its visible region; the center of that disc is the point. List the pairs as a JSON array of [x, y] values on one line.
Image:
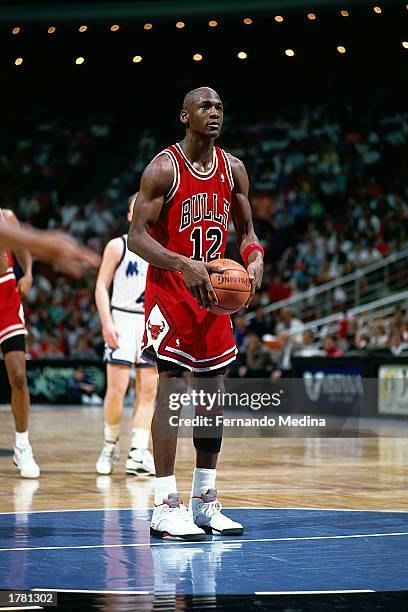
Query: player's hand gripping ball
[[232, 287]]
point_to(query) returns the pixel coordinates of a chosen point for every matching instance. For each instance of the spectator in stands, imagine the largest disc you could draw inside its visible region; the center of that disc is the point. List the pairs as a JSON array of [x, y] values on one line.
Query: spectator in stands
[[287, 322], [84, 351], [278, 290], [284, 359], [240, 331], [378, 335], [257, 362], [261, 323], [330, 346], [396, 343], [308, 347], [53, 348]]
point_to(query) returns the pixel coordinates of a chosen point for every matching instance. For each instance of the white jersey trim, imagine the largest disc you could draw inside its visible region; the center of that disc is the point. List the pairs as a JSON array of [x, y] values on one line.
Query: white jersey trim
[[176, 178], [176, 174], [7, 277], [228, 168], [197, 369], [178, 352], [205, 176]]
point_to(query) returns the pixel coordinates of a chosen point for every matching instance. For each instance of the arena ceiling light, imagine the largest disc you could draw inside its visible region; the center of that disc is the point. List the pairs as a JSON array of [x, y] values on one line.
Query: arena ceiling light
[[242, 55], [344, 13], [16, 31], [341, 49], [137, 59], [114, 28], [197, 57], [405, 44], [79, 60], [311, 16], [82, 28], [147, 26], [213, 23], [52, 30], [180, 25], [289, 52], [18, 61], [248, 21], [377, 9], [279, 18]]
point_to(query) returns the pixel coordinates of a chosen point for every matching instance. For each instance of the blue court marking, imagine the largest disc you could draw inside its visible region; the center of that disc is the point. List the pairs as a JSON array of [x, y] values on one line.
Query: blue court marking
[[282, 550]]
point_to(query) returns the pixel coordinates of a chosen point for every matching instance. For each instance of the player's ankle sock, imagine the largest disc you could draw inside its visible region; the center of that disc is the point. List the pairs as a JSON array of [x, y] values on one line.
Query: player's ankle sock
[[203, 479], [22, 439], [162, 487], [111, 432], [140, 438]]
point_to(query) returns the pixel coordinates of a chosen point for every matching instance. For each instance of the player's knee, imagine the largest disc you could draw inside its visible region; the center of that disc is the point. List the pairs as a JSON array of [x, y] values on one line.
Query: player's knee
[[18, 379], [116, 391], [208, 445]]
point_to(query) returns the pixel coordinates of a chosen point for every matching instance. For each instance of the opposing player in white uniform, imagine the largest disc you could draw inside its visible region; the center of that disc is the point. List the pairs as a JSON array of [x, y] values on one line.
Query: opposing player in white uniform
[[122, 320]]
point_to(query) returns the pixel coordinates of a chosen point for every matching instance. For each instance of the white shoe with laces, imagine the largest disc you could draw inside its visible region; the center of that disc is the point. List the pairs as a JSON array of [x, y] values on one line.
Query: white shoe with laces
[[110, 454], [140, 462], [24, 461], [172, 521], [206, 513]]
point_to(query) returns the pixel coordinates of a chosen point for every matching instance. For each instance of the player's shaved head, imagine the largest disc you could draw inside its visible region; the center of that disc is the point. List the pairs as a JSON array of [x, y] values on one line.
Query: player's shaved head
[[196, 94]]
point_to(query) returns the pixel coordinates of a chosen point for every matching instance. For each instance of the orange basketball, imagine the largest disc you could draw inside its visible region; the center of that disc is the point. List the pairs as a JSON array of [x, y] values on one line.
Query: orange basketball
[[232, 287]]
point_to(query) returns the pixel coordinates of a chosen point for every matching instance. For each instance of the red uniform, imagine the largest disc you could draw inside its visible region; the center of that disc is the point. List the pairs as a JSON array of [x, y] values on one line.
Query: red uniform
[[11, 310], [194, 222]]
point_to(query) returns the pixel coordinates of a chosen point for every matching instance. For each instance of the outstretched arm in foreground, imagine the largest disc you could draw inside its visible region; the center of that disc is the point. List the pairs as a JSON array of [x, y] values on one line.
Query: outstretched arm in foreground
[[51, 246]]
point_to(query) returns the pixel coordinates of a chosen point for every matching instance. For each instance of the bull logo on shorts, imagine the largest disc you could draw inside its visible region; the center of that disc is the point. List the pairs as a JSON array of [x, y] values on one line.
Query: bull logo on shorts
[[155, 330]]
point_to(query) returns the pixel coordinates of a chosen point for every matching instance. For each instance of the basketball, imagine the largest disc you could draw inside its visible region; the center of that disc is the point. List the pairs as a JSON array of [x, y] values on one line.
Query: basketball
[[232, 287]]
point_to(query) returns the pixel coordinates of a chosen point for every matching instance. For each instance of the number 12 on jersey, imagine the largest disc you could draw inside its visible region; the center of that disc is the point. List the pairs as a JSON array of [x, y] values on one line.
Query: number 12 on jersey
[[206, 249]]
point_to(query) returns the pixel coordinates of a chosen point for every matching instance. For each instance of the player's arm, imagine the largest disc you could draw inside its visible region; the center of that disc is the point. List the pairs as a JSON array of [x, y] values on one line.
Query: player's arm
[[241, 214], [51, 246], [23, 257], [110, 259], [155, 183]]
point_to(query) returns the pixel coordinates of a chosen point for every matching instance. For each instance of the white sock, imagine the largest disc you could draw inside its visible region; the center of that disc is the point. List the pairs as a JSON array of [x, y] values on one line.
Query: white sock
[[111, 432], [203, 479], [22, 439], [140, 438], [162, 487]]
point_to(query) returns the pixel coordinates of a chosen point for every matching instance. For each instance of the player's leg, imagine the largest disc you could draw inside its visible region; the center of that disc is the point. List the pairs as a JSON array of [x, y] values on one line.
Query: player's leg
[[14, 358], [170, 517], [116, 386], [204, 506], [140, 459]]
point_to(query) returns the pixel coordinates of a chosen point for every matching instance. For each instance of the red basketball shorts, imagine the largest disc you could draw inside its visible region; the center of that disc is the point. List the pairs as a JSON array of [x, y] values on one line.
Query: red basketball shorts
[[177, 330], [11, 311]]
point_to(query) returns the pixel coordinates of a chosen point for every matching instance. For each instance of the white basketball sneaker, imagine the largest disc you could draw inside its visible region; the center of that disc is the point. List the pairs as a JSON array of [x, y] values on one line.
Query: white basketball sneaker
[[206, 513], [110, 454], [172, 521], [140, 462], [24, 461]]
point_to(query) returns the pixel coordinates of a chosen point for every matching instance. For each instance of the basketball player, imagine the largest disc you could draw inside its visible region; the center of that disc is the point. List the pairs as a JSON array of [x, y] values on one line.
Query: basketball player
[[12, 344], [180, 225], [122, 329], [51, 246]]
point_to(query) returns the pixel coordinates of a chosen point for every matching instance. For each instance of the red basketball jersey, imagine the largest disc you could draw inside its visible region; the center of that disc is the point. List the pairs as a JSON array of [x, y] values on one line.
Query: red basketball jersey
[[11, 311], [195, 216], [194, 222]]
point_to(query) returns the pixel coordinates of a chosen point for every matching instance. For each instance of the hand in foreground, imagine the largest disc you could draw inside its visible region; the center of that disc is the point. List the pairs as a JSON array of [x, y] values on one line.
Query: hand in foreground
[[111, 335], [255, 271], [197, 279], [61, 250], [24, 285]]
